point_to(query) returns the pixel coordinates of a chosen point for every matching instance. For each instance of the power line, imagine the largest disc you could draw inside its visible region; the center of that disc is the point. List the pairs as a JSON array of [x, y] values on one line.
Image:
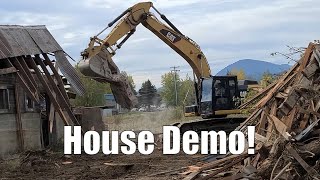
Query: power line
[[175, 70]]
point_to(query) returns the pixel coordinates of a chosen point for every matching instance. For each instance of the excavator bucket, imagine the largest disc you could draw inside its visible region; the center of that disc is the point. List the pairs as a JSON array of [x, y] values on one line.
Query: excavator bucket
[[102, 68]]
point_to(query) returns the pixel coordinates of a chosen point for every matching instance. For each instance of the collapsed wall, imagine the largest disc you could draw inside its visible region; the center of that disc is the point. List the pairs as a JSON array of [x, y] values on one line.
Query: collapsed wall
[[32, 91]]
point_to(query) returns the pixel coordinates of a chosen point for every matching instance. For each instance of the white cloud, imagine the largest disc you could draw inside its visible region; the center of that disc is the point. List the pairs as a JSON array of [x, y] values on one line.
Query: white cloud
[[226, 30], [110, 4]]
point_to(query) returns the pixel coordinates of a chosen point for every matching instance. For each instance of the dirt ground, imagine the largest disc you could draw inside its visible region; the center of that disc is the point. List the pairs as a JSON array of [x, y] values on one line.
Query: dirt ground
[[55, 165]]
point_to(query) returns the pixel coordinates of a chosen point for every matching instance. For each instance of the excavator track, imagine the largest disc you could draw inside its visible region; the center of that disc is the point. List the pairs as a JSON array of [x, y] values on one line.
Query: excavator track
[[226, 124]]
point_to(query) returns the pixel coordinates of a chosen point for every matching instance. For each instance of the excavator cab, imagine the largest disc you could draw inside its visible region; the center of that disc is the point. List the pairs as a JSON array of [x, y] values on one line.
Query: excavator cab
[[219, 96]]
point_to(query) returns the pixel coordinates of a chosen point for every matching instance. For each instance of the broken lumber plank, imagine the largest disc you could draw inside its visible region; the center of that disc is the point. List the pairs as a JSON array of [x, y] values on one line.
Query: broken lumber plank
[[256, 160], [16, 62], [119, 164], [280, 127], [236, 161], [58, 108], [27, 70], [306, 131], [64, 103], [310, 170], [260, 138], [8, 70], [282, 171], [235, 176], [308, 111], [310, 70], [306, 56], [249, 120], [269, 129], [56, 75], [305, 119], [220, 161], [168, 171], [257, 96], [291, 100], [33, 95], [20, 132], [263, 121], [283, 81], [192, 175], [25, 81], [316, 54], [288, 120]]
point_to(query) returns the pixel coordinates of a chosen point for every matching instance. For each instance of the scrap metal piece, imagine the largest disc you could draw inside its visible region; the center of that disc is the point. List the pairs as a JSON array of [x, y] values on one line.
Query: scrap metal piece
[[102, 69], [307, 131]]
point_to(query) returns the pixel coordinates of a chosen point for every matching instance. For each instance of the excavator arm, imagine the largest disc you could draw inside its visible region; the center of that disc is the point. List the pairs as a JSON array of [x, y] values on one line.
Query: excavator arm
[[97, 58]]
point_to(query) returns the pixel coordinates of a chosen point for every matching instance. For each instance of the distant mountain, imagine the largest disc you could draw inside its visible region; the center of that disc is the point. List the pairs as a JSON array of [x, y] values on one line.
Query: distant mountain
[[254, 69]]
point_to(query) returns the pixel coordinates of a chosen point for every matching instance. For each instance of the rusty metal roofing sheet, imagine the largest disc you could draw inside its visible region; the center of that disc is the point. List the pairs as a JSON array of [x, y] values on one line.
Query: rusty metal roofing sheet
[[25, 40]]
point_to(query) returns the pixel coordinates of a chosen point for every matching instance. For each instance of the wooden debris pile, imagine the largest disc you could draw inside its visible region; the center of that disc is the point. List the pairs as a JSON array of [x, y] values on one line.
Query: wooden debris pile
[[287, 138]]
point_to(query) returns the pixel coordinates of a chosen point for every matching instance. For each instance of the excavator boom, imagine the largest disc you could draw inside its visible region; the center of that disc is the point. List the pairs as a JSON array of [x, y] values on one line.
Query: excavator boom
[[97, 58]]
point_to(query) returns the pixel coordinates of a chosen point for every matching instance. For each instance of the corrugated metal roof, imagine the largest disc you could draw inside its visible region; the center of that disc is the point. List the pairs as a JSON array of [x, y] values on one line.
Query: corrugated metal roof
[[69, 72], [16, 40], [25, 40]]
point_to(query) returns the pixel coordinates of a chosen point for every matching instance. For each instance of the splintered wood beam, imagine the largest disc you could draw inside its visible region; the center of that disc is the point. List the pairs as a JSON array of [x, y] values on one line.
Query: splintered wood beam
[[305, 119], [22, 71], [31, 92], [27, 70], [280, 127], [229, 165], [288, 120], [59, 94], [18, 118], [8, 70], [27, 89], [257, 96], [280, 84], [310, 170], [263, 121], [316, 55], [24, 78], [306, 56], [56, 75], [58, 108]]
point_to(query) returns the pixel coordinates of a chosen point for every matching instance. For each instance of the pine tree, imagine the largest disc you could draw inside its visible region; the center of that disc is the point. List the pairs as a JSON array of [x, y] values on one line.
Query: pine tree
[[148, 94]]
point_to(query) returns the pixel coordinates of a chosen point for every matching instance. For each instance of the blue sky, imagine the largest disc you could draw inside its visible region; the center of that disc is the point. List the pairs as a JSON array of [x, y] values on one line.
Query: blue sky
[[226, 30]]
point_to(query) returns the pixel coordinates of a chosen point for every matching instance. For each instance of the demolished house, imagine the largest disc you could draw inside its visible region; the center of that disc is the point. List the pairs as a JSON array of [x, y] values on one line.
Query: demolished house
[[286, 116], [34, 105]]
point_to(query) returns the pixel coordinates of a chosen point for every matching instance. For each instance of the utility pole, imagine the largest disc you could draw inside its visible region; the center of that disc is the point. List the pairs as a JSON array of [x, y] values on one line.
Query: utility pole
[[175, 70]]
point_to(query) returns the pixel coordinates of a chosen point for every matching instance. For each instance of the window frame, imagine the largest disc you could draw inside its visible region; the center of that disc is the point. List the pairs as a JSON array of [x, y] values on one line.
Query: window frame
[[6, 89]]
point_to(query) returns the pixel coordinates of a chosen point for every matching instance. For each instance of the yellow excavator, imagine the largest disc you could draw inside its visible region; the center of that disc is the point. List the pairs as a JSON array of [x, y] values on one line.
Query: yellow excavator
[[217, 96]]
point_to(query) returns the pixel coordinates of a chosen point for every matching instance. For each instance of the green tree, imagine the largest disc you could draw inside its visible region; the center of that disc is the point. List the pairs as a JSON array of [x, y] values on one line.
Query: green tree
[[148, 94], [241, 75], [185, 90], [95, 92], [168, 88], [267, 79]]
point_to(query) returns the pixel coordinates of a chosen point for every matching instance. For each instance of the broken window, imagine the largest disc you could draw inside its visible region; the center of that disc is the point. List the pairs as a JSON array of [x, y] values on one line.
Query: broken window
[[29, 104], [4, 100]]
